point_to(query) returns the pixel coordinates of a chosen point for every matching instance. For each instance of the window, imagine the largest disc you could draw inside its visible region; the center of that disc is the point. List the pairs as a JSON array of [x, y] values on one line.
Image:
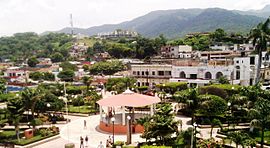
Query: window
[[161, 73], [138, 73], [237, 74], [208, 75], [153, 73], [182, 74], [134, 72], [193, 76], [237, 62], [138, 84], [168, 73], [147, 73], [143, 73], [252, 60]]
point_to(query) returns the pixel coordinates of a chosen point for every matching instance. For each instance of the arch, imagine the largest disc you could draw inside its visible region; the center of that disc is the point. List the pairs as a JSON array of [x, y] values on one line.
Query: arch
[[208, 75], [219, 74], [182, 74]]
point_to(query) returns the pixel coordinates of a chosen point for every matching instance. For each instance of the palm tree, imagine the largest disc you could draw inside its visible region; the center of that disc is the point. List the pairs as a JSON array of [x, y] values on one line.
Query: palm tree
[[238, 138], [30, 97], [215, 123], [15, 107], [261, 116], [87, 81], [260, 36]]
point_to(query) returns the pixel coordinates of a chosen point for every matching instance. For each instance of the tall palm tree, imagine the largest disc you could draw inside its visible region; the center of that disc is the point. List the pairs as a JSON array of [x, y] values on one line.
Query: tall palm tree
[[87, 81], [30, 98], [260, 35], [261, 116], [215, 123], [15, 107]]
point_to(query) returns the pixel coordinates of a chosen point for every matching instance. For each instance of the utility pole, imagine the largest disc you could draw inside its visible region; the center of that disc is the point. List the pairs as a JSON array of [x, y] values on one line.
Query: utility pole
[[71, 24]]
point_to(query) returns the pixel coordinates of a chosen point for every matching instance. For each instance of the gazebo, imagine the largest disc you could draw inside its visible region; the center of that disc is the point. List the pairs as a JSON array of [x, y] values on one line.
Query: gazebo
[[126, 99]]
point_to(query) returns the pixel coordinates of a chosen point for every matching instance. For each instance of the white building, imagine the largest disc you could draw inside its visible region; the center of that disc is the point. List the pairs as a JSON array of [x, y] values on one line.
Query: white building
[[151, 74]]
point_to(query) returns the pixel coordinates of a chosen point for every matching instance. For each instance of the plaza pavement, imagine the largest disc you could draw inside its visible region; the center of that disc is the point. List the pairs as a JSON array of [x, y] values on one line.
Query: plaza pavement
[[72, 131]]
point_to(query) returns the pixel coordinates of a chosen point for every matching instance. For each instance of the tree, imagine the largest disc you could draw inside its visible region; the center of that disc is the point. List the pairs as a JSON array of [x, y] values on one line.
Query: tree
[[218, 35], [107, 67], [189, 97], [66, 75], [212, 105], [36, 76], [16, 108], [261, 116], [68, 66], [238, 138], [30, 97], [87, 81], [57, 57], [215, 123], [260, 36], [2, 85], [32, 62], [161, 125], [223, 80]]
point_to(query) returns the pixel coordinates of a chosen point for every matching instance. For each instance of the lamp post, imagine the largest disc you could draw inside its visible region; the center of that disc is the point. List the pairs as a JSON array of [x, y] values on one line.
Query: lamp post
[[229, 106], [48, 106], [113, 119], [128, 130], [195, 137]]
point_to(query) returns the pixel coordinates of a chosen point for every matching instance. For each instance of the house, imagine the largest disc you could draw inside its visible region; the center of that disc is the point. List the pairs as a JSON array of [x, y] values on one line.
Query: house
[[15, 74]]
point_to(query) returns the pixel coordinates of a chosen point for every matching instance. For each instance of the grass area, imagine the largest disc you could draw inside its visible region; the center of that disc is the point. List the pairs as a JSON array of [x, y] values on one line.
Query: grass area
[[266, 137], [88, 41], [155, 146], [10, 136], [32, 140], [80, 109]]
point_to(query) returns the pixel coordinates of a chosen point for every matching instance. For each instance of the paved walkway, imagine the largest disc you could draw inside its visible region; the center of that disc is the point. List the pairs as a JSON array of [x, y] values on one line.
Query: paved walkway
[[71, 132]]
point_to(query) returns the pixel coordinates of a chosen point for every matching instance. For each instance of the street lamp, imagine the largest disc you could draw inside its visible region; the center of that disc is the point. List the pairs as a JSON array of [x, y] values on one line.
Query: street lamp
[[128, 130], [229, 106], [195, 138], [113, 119]]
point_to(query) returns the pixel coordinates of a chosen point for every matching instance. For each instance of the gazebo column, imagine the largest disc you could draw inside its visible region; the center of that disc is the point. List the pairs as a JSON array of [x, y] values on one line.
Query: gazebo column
[[123, 115], [100, 112], [152, 109]]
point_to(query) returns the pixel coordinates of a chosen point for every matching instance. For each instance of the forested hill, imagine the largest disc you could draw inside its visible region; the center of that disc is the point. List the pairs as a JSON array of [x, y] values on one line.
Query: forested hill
[[24, 45], [176, 23]]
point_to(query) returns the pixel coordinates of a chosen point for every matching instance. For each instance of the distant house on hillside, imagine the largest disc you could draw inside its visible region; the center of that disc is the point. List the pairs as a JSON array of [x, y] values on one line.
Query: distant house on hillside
[[117, 34]]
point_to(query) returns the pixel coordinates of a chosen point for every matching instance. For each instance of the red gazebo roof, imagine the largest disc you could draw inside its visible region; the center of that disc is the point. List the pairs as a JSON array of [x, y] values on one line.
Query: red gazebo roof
[[128, 98]]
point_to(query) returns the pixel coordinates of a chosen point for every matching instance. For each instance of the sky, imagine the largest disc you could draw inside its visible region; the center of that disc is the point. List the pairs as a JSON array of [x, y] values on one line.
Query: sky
[[51, 15]]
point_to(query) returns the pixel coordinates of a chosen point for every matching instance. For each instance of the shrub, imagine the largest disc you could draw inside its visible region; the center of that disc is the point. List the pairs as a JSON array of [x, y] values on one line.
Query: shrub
[[119, 143], [44, 132], [213, 91], [172, 87], [77, 101]]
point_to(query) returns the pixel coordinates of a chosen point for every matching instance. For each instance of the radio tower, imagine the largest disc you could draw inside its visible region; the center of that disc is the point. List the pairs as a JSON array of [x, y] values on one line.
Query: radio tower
[[71, 24]]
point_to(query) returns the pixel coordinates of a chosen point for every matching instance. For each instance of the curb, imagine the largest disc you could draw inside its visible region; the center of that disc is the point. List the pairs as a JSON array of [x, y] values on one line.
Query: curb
[[39, 142]]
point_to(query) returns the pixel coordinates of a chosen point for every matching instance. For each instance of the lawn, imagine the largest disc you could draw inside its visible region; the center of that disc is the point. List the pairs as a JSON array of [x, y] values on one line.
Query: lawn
[[266, 137], [10, 136], [81, 109]]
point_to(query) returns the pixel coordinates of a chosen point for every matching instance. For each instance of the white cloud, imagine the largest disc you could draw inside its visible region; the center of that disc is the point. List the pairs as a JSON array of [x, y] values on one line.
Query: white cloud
[[42, 15]]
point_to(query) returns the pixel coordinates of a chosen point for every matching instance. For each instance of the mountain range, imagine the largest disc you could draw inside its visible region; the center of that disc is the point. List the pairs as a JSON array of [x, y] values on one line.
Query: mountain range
[[178, 22]]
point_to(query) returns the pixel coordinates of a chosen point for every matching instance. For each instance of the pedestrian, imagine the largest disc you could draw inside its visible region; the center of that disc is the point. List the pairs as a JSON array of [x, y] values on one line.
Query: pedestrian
[[110, 140], [81, 145], [100, 145], [86, 141], [108, 144], [85, 124]]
